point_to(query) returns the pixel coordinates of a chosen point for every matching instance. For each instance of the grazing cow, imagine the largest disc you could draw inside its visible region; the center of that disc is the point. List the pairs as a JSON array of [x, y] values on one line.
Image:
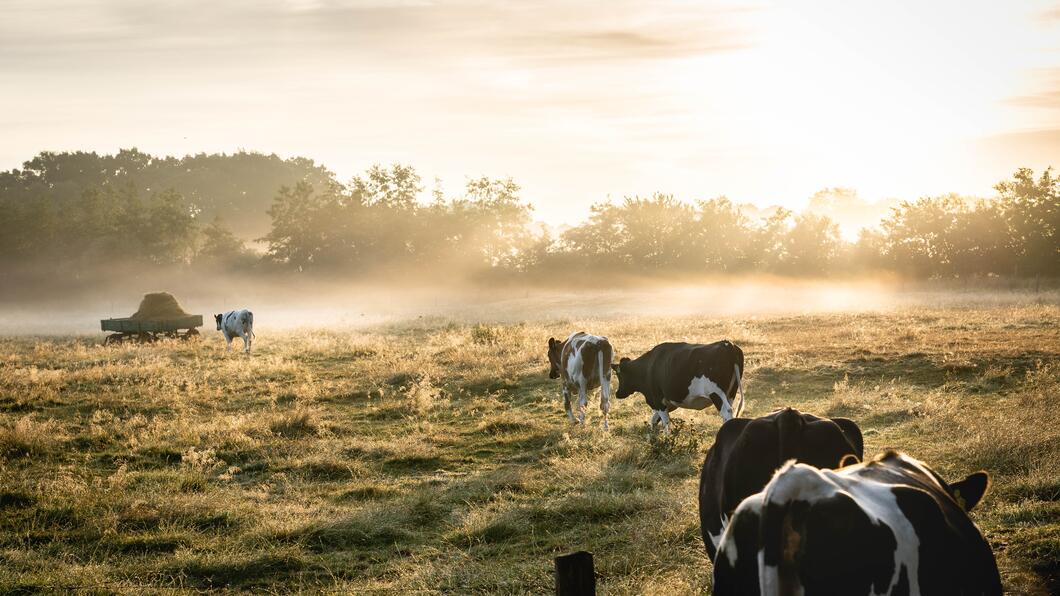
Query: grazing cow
[[584, 362], [746, 453], [680, 375], [887, 526], [236, 323]]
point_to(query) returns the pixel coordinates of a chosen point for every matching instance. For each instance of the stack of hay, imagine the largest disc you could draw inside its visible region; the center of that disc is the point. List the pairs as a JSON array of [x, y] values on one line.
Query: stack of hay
[[159, 305]]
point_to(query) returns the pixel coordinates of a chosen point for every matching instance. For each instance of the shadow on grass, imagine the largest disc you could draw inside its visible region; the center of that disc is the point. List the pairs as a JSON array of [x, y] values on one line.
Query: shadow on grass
[[235, 572]]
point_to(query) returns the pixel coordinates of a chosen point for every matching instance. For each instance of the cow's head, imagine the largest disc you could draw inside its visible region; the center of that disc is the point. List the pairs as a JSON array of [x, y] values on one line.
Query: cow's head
[[625, 379], [555, 349], [217, 319]]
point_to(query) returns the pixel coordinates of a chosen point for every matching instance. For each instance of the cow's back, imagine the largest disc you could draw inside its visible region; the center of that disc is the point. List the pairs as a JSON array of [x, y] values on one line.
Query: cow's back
[[746, 453], [586, 355], [673, 365]]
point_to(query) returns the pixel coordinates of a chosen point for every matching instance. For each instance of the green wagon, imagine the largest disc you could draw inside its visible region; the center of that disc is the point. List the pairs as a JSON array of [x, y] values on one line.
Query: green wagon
[[148, 330]]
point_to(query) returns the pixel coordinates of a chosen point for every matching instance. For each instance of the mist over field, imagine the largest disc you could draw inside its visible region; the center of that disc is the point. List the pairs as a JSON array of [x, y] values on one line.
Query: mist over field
[[308, 305]]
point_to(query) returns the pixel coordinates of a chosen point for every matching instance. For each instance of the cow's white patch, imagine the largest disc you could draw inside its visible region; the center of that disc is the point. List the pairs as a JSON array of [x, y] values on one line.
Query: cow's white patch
[[698, 398], [715, 539], [805, 483], [726, 544]]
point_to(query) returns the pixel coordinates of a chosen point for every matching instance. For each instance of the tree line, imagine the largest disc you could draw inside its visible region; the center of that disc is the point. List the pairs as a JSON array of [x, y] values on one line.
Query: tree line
[[72, 211]]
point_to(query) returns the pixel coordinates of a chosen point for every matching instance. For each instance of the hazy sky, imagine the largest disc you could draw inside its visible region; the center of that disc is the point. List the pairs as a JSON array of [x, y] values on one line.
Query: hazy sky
[[577, 100]]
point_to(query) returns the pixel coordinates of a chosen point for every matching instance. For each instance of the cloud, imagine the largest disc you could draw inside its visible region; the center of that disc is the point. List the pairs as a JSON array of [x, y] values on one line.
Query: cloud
[[1047, 94], [530, 31], [1051, 14], [1036, 148]]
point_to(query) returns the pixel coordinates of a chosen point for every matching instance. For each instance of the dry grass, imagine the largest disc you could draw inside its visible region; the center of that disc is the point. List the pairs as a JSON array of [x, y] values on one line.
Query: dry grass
[[434, 456]]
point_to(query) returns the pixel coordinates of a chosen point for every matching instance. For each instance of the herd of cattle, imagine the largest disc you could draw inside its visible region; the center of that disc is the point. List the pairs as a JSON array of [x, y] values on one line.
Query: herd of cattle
[[787, 503]]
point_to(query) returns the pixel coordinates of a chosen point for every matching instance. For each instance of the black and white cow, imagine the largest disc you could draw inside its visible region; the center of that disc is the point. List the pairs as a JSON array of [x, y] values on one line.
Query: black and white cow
[[887, 526], [681, 375], [236, 323], [584, 362], [746, 453]]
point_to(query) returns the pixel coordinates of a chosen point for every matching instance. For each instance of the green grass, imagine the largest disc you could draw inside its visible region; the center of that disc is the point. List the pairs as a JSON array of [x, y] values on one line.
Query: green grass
[[434, 456]]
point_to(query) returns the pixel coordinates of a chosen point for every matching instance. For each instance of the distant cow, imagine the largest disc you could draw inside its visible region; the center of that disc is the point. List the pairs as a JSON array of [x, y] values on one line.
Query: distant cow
[[746, 453], [887, 526], [680, 375], [236, 323], [584, 362]]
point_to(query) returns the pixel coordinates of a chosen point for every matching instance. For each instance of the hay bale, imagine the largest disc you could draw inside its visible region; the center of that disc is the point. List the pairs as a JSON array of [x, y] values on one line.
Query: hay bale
[[159, 305]]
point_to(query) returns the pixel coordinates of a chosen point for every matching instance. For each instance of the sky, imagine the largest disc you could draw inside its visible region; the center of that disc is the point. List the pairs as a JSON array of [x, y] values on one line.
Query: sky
[[579, 101]]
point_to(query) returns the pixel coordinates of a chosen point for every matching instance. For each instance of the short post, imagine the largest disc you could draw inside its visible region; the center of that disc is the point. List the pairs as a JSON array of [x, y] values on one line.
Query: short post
[[575, 575]]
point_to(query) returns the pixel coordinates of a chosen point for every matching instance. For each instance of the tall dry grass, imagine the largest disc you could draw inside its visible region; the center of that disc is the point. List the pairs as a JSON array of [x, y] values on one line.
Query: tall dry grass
[[434, 456]]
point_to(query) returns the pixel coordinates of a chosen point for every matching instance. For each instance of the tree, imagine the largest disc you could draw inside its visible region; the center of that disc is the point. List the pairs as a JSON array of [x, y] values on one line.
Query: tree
[[219, 244], [295, 238], [920, 235], [768, 245], [811, 246], [1031, 208], [725, 236], [169, 232], [395, 187]]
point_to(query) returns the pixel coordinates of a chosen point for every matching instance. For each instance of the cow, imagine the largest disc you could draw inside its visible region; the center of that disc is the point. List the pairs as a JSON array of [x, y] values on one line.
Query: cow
[[682, 375], [584, 363], [890, 525], [746, 453], [236, 323]]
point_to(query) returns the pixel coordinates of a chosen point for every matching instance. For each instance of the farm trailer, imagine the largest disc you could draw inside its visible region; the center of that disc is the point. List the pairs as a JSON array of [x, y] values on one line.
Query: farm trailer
[[148, 330]]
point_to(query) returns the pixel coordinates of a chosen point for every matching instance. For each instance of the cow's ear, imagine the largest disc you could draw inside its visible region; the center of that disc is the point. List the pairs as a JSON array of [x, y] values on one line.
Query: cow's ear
[[551, 342], [616, 367], [848, 460], [623, 360], [970, 491]]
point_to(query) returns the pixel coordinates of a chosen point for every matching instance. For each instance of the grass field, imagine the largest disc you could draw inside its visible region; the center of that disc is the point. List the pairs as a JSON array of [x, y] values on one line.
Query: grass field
[[433, 456]]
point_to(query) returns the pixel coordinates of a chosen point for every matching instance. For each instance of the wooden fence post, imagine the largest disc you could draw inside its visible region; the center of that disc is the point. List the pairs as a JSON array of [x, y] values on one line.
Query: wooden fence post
[[575, 575]]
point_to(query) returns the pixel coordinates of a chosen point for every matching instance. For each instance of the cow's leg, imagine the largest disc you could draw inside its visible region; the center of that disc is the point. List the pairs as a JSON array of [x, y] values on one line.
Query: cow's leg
[[605, 388], [228, 340], [605, 400], [654, 418], [583, 400], [246, 342], [566, 403], [664, 416]]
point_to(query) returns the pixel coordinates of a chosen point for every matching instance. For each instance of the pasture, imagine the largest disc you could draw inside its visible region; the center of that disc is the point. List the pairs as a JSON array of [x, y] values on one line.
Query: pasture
[[433, 455]]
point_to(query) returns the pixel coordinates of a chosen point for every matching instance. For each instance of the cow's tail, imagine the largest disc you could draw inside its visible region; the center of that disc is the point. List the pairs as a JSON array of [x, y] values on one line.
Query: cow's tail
[[789, 430], [248, 323], [782, 531], [739, 388], [737, 408], [788, 528]]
